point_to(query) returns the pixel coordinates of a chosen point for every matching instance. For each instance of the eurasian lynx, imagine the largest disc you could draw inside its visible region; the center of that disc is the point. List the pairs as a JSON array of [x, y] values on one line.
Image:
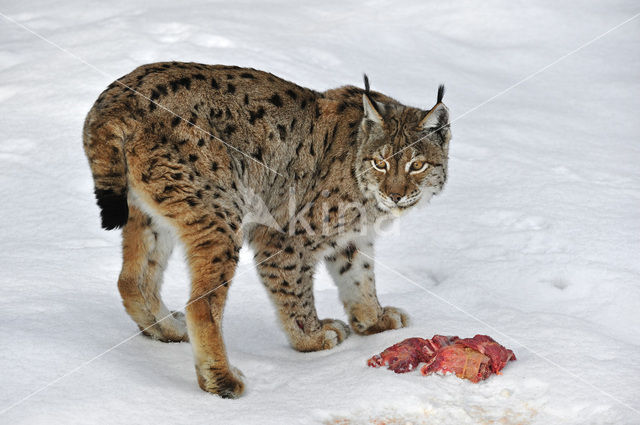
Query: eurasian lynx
[[182, 151]]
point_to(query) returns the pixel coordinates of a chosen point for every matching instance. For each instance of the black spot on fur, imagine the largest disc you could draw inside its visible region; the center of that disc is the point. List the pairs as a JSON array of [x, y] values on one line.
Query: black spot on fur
[[276, 100], [255, 115], [229, 129], [349, 251], [193, 157], [214, 84], [162, 89], [214, 166], [114, 210], [257, 154], [175, 121], [199, 77], [204, 244], [345, 268], [201, 142], [283, 131], [246, 99], [247, 75], [231, 88], [293, 95], [184, 82]]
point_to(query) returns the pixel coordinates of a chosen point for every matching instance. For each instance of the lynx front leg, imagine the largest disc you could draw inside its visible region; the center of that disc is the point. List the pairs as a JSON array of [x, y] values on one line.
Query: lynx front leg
[[351, 267], [288, 277]]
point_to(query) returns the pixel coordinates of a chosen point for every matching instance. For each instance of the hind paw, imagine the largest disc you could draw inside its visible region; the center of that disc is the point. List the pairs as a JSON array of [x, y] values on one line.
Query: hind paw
[[171, 328]]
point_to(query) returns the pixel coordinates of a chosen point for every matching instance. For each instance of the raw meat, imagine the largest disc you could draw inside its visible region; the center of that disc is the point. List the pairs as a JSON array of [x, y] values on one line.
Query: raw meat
[[498, 355], [470, 358], [406, 355], [466, 363]]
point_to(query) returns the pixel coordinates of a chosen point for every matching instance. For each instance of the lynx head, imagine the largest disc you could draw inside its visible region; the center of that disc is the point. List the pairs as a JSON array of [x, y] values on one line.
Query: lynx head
[[403, 151]]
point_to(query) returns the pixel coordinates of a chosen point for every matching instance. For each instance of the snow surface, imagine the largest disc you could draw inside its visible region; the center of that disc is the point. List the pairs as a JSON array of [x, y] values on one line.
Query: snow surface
[[536, 236]]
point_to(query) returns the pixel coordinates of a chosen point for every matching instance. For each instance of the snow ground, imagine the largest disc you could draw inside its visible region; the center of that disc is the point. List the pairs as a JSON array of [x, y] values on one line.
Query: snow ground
[[536, 235]]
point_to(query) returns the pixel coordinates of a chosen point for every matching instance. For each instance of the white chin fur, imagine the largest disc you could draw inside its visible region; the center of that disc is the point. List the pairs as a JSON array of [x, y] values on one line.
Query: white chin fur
[[396, 212]]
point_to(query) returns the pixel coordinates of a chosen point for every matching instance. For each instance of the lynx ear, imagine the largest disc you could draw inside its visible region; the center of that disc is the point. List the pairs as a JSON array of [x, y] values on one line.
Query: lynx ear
[[438, 116], [372, 109]]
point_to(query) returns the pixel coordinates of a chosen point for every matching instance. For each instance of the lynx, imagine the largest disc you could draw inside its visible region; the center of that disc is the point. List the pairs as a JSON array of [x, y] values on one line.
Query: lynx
[[182, 151]]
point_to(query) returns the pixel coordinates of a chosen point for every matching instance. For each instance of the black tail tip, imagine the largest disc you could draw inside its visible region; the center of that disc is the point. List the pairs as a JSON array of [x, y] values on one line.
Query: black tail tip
[[440, 93], [113, 208]]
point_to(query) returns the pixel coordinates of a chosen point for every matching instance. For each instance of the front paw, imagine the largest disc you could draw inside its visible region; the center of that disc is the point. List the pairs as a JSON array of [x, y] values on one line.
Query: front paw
[[331, 333], [366, 323]]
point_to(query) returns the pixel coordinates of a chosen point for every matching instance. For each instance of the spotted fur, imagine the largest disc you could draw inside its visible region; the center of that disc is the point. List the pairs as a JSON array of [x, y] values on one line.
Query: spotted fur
[[214, 155]]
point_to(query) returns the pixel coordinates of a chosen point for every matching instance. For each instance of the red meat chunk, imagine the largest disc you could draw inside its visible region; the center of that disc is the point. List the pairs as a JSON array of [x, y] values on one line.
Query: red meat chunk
[[406, 355], [465, 362], [470, 358], [498, 355]]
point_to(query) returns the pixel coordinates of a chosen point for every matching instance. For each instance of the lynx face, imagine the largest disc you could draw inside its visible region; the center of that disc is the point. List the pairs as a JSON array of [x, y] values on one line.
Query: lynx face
[[404, 153]]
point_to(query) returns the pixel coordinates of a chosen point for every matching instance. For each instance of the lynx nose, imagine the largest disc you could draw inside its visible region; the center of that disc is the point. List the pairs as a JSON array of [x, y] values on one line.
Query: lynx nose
[[395, 197]]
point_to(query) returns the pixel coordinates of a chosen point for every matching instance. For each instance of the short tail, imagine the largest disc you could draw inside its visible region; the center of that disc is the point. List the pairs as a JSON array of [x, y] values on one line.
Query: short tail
[[103, 145], [114, 210]]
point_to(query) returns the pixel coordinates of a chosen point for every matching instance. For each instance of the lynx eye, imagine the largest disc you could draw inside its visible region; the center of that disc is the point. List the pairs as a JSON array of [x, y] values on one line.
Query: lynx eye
[[417, 166], [379, 164]]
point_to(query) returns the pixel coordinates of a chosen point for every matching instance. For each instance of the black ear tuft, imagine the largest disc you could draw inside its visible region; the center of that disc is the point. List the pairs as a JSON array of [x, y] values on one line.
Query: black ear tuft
[[368, 99], [440, 93], [366, 84]]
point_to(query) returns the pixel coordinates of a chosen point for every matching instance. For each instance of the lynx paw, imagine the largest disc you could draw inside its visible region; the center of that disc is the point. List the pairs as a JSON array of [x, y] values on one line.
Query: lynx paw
[[226, 384], [331, 333], [168, 329], [335, 332], [390, 318]]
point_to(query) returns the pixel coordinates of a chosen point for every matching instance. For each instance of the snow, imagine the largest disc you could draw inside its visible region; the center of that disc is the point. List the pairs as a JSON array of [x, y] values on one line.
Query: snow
[[535, 240]]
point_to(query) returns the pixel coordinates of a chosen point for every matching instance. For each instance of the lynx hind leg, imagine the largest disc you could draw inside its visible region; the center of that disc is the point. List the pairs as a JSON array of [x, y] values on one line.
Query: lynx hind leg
[[208, 222], [212, 253], [146, 250]]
